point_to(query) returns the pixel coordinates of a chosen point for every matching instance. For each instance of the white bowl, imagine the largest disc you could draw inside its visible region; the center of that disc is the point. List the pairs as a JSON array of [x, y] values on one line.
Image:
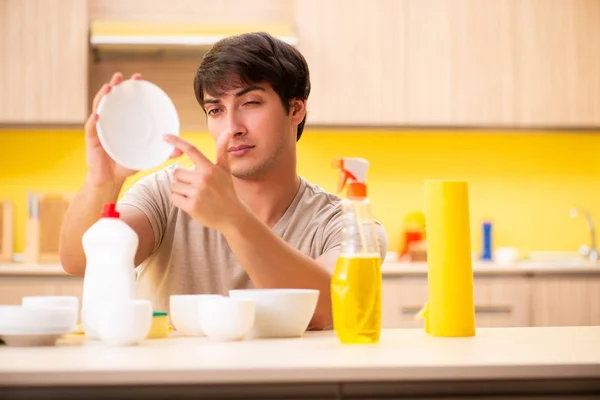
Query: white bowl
[[133, 117], [226, 319], [70, 302], [19, 320], [280, 312], [184, 312], [122, 322]]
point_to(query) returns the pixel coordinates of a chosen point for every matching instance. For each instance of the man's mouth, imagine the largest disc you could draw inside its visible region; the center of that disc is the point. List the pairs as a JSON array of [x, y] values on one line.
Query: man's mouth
[[240, 150]]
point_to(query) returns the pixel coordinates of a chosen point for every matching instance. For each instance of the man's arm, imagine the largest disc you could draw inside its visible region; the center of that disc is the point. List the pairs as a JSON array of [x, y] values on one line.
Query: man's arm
[[206, 193], [271, 263], [84, 211]]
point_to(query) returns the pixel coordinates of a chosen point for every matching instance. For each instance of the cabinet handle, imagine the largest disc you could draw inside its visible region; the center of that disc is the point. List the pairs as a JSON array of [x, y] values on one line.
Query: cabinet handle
[[491, 310]]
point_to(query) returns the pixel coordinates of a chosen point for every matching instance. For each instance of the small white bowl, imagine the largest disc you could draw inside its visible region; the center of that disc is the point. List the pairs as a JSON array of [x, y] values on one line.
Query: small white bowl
[[20, 320], [122, 322], [280, 312], [184, 312], [70, 302], [226, 319]]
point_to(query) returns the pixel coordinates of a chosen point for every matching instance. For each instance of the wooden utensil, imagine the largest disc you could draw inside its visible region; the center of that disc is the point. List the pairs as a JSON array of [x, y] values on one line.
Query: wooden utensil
[[6, 230], [45, 213]]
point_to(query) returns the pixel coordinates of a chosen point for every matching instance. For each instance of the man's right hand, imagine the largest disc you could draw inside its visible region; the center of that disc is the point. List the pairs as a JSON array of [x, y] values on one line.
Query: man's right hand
[[103, 170]]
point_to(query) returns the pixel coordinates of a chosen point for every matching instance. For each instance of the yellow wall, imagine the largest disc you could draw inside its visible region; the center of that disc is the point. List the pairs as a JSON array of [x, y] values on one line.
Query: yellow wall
[[525, 182]]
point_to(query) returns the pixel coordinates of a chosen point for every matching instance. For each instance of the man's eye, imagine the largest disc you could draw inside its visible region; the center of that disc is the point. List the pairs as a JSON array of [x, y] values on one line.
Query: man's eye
[[213, 111], [251, 102]]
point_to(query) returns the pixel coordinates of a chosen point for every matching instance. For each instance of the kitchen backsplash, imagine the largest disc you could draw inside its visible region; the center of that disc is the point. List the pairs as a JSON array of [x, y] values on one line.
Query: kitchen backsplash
[[524, 182]]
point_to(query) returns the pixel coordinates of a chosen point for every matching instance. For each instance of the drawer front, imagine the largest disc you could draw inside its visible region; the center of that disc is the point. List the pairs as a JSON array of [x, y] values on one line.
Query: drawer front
[[499, 301]]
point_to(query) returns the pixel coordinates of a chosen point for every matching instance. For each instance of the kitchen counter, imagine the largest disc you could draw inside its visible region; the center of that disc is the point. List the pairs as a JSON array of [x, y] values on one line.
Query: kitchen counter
[[24, 269], [405, 362], [389, 268], [399, 268]]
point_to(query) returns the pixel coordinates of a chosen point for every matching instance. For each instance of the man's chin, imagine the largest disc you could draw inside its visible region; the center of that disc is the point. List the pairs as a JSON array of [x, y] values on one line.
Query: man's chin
[[247, 172]]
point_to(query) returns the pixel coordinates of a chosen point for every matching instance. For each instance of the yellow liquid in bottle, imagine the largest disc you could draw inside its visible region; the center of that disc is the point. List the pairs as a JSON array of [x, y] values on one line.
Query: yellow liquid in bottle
[[356, 298]]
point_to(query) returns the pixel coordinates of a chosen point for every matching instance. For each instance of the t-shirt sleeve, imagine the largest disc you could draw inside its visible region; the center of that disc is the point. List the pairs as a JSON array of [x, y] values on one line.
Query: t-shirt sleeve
[[152, 195], [332, 235]]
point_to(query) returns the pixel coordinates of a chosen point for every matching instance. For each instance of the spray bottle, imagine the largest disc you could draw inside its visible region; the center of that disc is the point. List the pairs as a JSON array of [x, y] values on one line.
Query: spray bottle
[[356, 281]]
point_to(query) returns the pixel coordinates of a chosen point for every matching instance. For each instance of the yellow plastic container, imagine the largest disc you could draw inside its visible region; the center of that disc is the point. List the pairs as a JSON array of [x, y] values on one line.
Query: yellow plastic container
[[160, 325], [450, 310]]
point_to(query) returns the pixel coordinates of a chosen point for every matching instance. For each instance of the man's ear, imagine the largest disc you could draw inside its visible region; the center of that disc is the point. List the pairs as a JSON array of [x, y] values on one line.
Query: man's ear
[[297, 110]]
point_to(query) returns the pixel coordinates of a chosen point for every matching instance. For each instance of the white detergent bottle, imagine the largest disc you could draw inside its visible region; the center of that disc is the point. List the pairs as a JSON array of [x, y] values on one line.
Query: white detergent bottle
[[110, 246]]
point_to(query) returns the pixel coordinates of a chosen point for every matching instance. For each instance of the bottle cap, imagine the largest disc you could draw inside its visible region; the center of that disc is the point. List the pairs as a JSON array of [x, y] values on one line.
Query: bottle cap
[[110, 211]]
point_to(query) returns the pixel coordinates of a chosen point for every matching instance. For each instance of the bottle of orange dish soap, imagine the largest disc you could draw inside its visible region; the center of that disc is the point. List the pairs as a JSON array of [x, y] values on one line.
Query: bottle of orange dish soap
[[356, 281]]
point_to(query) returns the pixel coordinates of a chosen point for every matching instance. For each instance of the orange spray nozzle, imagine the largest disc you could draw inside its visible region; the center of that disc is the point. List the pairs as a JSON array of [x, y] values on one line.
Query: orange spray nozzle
[[353, 172]]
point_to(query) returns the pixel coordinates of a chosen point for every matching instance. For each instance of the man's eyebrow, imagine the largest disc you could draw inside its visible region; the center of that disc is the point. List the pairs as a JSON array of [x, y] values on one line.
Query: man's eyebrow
[[248, 89], [238, 94]]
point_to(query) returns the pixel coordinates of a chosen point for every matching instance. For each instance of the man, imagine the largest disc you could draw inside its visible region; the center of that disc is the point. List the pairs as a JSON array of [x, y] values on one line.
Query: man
[[248, 220]]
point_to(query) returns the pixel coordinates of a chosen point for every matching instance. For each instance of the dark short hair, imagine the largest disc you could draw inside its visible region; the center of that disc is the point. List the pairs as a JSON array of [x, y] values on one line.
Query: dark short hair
[[253, 58]]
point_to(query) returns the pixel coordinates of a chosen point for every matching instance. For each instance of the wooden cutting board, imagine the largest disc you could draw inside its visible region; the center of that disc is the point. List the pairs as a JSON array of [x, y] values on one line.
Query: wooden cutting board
[[6, 230], [45, 213]]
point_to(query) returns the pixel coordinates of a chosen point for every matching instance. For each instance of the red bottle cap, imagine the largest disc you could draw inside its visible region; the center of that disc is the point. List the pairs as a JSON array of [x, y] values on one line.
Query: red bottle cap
[[110, 211]]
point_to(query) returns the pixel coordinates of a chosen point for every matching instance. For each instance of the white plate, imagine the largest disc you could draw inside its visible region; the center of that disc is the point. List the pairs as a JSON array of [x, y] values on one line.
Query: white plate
[[21, 319], [133, 118]]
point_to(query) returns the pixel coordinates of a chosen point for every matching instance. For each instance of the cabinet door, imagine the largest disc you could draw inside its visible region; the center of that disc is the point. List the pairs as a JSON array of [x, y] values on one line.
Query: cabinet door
[[13, 288], [460, 68], [43, 61], [355, 54], [502, 301], [499, 301], [566, 300], [558, 62], [402, 299]]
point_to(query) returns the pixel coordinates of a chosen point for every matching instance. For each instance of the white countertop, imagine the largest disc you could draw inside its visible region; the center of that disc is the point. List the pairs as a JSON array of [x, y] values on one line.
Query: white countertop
[[25, 269], [402, 355], [399, 268], [390, 268]]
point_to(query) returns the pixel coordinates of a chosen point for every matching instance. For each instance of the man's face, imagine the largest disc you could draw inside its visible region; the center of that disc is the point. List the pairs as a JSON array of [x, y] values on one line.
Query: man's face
[[259, 132]]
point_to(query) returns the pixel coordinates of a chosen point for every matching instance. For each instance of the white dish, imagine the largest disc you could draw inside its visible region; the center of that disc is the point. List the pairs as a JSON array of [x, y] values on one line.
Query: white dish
[[133, 117], [280, 312], [31, 339], [18, 320], [225, 318], [71, 302], [184, 310], [122, 322]]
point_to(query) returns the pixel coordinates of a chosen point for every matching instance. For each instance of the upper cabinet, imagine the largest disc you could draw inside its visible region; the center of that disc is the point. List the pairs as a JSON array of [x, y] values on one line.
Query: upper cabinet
[[43, 61], [453, 63], [414, 63], [459, 63], [152, 38], [356, 58], [557, 60]]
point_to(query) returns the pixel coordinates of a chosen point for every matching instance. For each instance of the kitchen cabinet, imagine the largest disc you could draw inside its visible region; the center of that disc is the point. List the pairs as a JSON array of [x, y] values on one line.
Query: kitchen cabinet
[[356, 59], [198, 11], [13, 288], [499, 301], [43, 61], [452, 63], [557, 53], [560, 301], [459, 63]]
